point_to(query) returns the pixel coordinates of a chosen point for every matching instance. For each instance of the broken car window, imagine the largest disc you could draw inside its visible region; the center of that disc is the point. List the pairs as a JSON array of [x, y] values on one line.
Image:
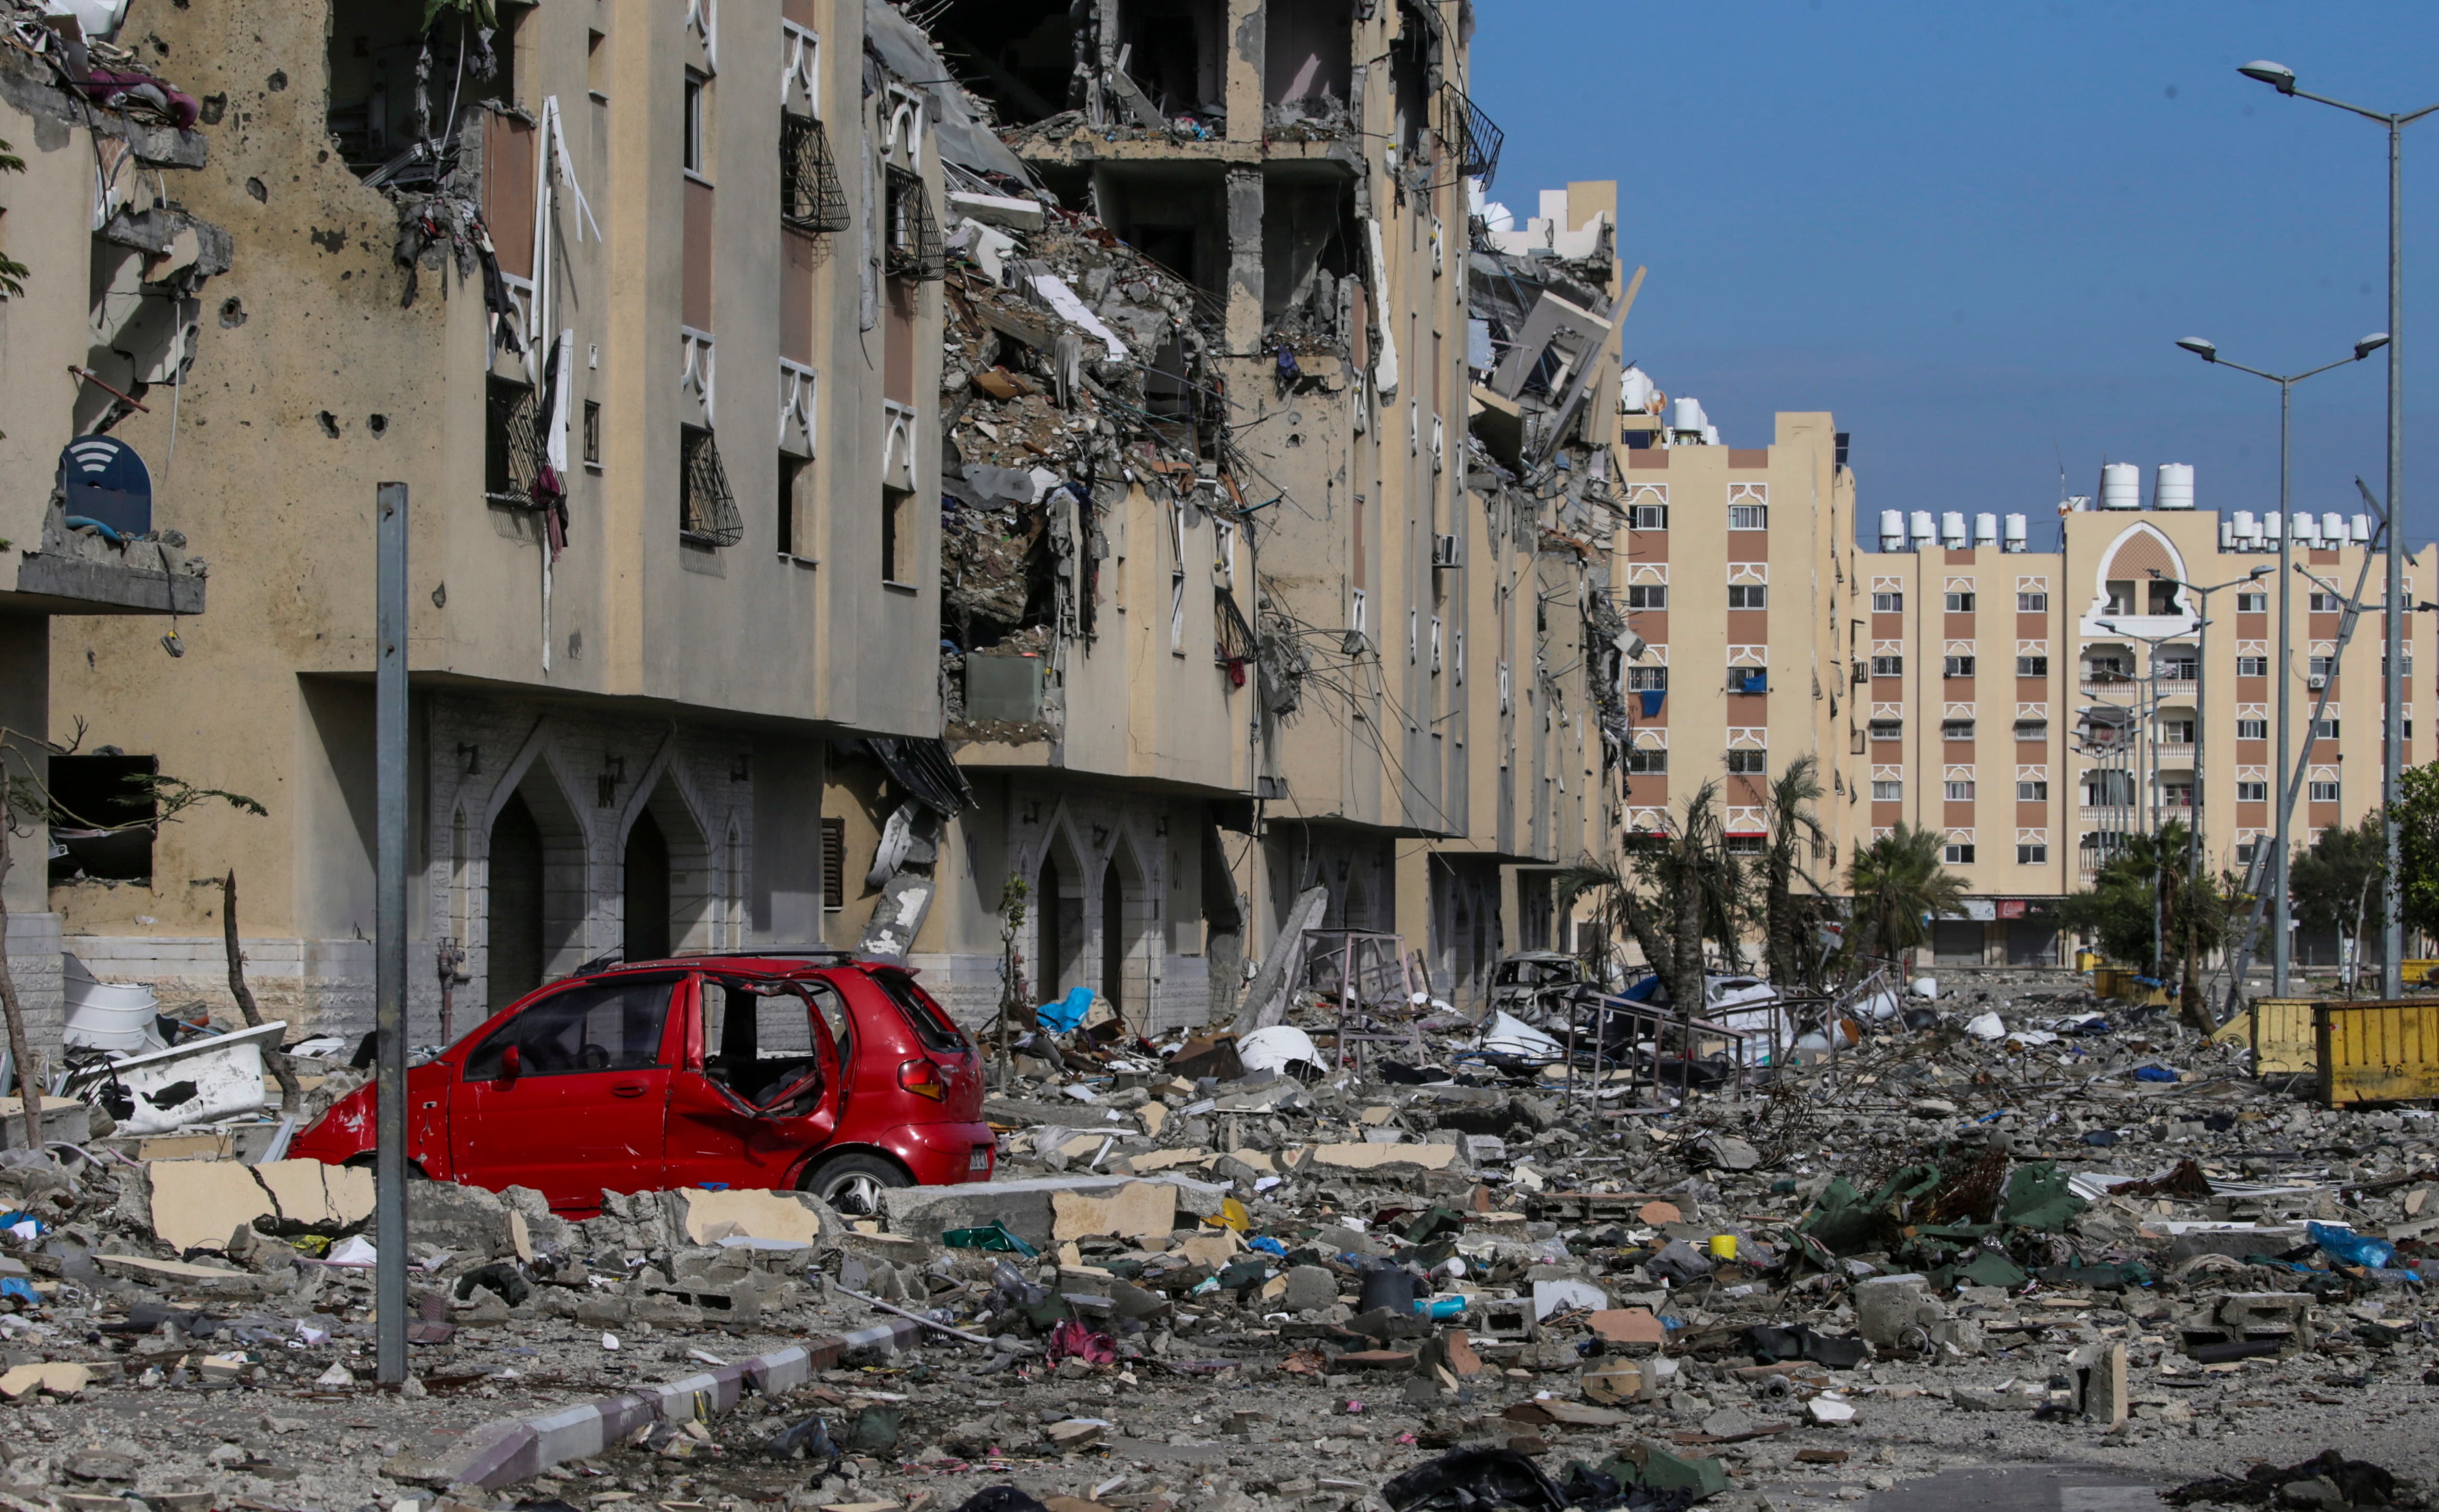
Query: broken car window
[[922, 1015], [613, 1025], [760, 1045]]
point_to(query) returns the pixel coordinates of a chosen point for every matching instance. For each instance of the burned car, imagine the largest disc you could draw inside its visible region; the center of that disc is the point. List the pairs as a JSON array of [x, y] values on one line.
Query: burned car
[[825, 1075]]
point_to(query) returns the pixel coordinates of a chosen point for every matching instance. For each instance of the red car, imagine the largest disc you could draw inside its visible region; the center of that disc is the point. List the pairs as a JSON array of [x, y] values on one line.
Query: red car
[[824, 1074]]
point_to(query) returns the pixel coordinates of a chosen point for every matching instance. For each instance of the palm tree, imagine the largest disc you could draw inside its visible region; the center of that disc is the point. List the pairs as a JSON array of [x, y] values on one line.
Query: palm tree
[[1794, 829], [1898, 884], [1672, 893]]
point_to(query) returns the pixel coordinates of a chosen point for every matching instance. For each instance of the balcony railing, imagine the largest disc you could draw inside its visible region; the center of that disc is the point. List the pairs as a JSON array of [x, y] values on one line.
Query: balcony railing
[[1473, 139]]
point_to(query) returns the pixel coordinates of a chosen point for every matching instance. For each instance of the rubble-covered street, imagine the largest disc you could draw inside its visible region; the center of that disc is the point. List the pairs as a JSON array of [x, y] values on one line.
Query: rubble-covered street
[[2095, 1243]]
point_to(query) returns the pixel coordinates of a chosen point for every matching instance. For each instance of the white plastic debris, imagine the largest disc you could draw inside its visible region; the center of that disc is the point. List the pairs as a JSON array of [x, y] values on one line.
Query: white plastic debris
[[1828, 1409], [609, 1341], [1923, 986], [337, 1374], [354, 1250], [1277, 1048], [1986, 1026], [1511, 1036]]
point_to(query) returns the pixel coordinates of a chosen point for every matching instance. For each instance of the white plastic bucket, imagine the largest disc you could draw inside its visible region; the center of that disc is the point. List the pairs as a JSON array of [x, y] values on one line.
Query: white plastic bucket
[[105, 1015]]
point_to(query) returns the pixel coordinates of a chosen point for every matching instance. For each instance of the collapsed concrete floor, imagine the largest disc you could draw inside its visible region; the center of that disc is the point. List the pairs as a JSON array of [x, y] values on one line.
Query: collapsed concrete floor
[[1208, 1301]]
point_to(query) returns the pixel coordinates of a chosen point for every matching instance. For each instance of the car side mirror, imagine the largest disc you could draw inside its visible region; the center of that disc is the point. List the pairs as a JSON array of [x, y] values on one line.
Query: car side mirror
[[512, 1064]]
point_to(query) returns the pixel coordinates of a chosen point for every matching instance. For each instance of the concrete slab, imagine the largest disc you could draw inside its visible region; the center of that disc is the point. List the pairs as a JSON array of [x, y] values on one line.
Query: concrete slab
[[1024, 1206], [199, 1203]]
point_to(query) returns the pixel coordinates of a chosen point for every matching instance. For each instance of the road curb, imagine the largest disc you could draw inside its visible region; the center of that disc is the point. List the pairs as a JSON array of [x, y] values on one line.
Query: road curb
[[512, 1449]]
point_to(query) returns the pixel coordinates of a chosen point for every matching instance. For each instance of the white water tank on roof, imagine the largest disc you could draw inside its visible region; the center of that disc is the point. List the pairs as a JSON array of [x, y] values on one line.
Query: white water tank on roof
[[1633, 392], [2333, 528], [2302, 526], [1686, 413], [2121, 486], [2359, 527], [1951, 528], [1919, 528], [2015, 533], [2272, 525], [2227, 535], [1986, 529], [2174, 488], [1893, 530]]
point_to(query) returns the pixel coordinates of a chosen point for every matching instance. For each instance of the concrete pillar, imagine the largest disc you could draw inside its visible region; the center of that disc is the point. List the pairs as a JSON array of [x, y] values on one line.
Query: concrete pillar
[[1246, 49], [1244, 318]]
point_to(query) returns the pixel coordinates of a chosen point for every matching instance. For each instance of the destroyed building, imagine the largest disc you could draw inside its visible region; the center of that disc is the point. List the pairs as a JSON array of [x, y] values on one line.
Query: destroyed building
[[104, 286]]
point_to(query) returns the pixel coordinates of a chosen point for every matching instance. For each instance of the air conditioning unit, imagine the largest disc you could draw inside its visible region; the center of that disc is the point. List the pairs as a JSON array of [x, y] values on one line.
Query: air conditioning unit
[[2316, 681], [1444, 551]]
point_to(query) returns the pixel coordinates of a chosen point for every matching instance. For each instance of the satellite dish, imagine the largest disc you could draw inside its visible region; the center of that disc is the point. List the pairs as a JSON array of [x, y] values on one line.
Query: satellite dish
[[107, 485]]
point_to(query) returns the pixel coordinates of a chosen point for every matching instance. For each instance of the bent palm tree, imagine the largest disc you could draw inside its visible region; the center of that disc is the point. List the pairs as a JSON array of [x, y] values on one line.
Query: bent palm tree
[[1899, 884]]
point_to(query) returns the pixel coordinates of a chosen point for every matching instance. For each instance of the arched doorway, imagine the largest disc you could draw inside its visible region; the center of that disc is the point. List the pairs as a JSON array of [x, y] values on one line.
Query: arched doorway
[[646, 874], [1059, 924], [513, 921]]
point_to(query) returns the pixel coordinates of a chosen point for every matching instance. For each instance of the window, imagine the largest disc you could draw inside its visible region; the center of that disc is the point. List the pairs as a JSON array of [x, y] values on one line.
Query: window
[[2253, 729], [1888, 790], [2326, 729], [2179, 667], [692, 145], [1888, 666], [2033, 854], [595, 1027], [2245, 851], [2031, 729], [1956, 729], [833, 865], [2107, 669], [1747, 680], [1748, 517], [1960, 603], [1643, 759], [706, 510], [1888, 603], [1957, 667], [2033, 790], [898, 535], [2177, 732], [513, 456], [2322, 667], [2032, 666], [2249, 603], [1888, 729], [1744, 844], [104, 817], [2121, 596], [2252, 793], [1647, 680], [810, 196], [592, 433], [1747, 595], [1648, 517], [2032, 603], [1749, 764], [1959, 853], [2253, 667], [914, 235], [1648, 596], [1956, 791], [2323, 604], [2324, 792], [2161, 596], [793, 473]]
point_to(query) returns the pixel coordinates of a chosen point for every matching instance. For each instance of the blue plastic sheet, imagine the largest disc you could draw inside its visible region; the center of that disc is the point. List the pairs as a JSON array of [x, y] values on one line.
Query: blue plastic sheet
[[1062, 1016], [21, 1289], [2154, 1073], [2349, 1248], [1267, 1245]]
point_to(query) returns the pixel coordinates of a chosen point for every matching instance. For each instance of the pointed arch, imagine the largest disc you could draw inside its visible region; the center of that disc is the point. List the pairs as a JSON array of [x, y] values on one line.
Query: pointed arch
[[541, 889], [1058, 876], [1125, 914], [2138, 551]]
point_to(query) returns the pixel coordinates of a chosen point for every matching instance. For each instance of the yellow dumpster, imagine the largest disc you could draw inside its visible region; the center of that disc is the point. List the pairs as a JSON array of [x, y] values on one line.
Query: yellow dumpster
[[2113, 982], [2376, 1052], [2279, 1030], [2087, 960], [2418, 973]]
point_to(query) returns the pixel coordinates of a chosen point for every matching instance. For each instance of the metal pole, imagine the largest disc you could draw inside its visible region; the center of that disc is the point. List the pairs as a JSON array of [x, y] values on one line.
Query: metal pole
[[389, 934], [2392, 935], [2187, 999], [2283, 924]]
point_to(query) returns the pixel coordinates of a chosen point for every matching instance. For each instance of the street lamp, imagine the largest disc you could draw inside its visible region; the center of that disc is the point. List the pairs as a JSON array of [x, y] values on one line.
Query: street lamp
[[2145, 730], [2189, 990], [2282, 79], [2208, 352]]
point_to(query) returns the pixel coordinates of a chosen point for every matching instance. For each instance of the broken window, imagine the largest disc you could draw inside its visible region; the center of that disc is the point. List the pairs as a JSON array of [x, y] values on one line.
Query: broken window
[[1311, 243], [1307, 63], [915, 250], [1177, 218], [1413, 58], [513, 456], [1018, 55], [896, 535], [393, 79], [706, 510], [795, 480], [102, 810], [1172, 50], [811, 197]]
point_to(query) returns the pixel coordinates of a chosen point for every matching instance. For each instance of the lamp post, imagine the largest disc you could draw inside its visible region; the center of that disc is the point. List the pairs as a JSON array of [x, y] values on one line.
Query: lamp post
[[2282, 926], [2281, 77], [2189, 991], [2147, 719]]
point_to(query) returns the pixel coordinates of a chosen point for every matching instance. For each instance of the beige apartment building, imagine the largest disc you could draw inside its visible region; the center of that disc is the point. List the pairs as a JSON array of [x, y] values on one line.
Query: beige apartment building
[[2036, 707], [641, 299]]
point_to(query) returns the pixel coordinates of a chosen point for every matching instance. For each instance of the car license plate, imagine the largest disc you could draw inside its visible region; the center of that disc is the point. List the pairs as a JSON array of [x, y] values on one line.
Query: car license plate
[[980, 1158]]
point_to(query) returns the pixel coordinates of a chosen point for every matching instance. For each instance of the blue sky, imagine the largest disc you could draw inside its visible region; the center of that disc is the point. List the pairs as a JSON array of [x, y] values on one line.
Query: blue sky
[[1974, 231]]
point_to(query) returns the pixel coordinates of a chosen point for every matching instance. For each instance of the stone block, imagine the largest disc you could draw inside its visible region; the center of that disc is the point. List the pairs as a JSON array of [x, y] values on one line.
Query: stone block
[[1024, 1206], [2099, 1375]]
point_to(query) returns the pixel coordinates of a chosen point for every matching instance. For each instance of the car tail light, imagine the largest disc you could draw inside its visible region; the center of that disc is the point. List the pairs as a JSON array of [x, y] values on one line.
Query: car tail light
[[921, 1076]]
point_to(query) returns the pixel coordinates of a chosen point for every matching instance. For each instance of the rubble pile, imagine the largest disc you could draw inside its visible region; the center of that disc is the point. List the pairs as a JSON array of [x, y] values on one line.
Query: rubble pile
[[1196, 1285]]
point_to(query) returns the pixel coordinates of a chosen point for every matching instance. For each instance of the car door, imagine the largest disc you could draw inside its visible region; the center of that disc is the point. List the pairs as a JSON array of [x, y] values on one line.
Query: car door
[[759, 1086], [570, 1096]]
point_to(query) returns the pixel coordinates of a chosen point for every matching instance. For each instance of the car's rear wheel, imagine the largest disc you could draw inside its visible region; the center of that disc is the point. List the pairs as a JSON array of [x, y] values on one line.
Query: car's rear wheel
[[853, 1183]]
